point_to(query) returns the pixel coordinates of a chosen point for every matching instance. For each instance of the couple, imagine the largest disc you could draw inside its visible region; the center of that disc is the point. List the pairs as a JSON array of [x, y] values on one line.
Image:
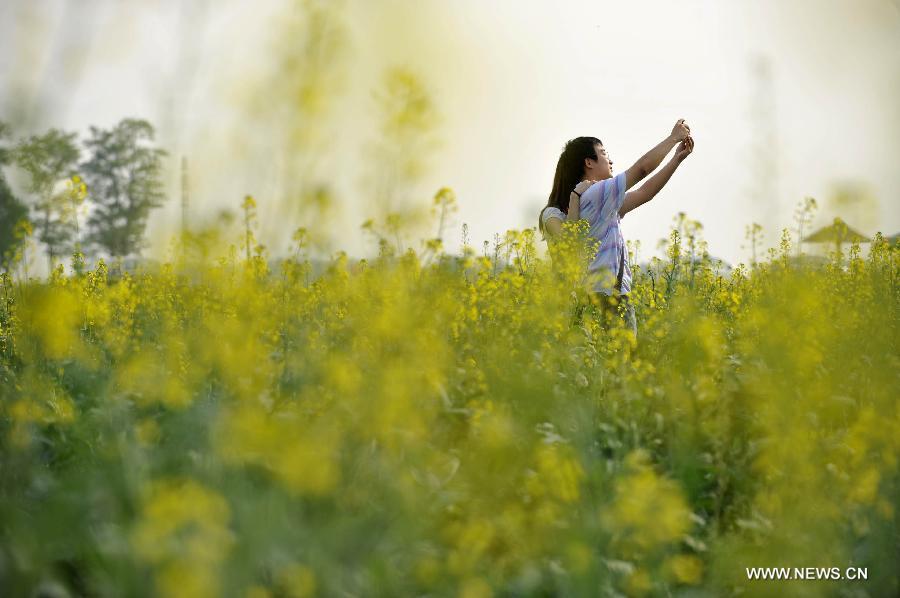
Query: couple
[[584, 187]]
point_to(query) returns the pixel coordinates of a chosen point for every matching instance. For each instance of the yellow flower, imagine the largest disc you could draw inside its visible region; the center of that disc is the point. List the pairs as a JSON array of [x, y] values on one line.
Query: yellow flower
[[685, 569], [299, 581], [648, 511], [475, 588]]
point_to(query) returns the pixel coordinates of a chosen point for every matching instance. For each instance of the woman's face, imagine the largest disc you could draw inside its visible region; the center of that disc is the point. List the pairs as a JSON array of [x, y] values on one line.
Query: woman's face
[[601, 168]]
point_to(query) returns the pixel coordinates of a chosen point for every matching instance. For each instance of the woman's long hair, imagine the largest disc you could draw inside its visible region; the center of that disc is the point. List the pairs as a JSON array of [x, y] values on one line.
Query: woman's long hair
[[569, 172]]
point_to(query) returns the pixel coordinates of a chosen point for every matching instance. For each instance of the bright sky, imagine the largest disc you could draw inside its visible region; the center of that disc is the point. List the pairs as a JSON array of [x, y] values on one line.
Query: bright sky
[[512, 81]]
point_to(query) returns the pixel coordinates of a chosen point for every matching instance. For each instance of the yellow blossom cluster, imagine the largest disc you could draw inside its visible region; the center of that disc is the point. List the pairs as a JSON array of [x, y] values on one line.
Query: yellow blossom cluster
[[431, 424]]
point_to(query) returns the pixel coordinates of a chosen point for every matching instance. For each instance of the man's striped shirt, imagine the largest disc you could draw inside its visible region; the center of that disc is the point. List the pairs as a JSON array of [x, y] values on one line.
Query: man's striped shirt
[[600, 206]]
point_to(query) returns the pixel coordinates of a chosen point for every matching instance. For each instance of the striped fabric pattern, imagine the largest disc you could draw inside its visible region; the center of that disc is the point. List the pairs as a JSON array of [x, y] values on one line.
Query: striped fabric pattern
[[600, 206]]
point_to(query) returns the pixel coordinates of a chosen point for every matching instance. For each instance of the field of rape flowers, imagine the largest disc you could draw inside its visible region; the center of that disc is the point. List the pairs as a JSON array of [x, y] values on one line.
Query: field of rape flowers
[[438, 425]]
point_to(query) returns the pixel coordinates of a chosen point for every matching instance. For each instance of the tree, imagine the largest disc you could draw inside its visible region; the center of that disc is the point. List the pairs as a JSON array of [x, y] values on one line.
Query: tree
[[124, 178], [12, 210], [4, 153], [48, 159]]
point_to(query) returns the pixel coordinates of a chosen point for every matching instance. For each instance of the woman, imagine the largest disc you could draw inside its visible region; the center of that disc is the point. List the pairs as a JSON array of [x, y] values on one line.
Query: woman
[[584, 187]]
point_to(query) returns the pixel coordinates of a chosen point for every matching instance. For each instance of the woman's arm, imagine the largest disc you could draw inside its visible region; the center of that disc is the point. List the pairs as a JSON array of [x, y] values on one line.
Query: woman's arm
[[654, 184], [554, 225], [574, 212], [575, 199], [649, 161]]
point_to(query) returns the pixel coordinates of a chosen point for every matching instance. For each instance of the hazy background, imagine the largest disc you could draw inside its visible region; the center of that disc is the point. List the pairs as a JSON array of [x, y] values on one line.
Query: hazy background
[[279, 98]]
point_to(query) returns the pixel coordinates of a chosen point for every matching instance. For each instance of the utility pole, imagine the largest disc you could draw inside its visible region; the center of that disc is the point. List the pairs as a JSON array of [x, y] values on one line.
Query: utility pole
[[185, 194]]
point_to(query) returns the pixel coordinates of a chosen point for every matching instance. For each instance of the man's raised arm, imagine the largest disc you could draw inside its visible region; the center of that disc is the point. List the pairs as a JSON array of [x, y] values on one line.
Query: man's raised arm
[[654, 184], [649, 161]]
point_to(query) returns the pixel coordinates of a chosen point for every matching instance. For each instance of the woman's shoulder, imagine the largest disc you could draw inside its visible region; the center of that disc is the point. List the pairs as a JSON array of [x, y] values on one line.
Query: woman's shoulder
[[552, 212]]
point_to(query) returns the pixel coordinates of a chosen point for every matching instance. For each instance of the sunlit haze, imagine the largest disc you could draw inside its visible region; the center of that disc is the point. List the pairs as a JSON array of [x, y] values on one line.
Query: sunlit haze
[[784, 99]]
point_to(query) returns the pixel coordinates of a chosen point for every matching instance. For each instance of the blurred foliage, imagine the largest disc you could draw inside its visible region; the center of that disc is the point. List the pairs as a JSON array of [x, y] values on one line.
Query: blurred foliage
[[803, 215], [408, 119], [456, 426], [287, 101]]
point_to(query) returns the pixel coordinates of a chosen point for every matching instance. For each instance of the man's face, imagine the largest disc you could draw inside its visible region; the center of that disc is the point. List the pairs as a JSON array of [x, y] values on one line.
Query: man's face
[[601, 168]]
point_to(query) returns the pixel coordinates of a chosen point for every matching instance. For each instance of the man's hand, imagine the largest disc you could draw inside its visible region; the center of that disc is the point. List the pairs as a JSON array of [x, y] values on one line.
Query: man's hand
[[648, 190], [680, 131], [652, 159], [684, 149]]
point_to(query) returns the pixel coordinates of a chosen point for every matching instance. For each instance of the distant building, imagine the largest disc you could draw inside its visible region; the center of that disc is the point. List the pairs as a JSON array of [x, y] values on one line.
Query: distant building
[[834, 237]]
